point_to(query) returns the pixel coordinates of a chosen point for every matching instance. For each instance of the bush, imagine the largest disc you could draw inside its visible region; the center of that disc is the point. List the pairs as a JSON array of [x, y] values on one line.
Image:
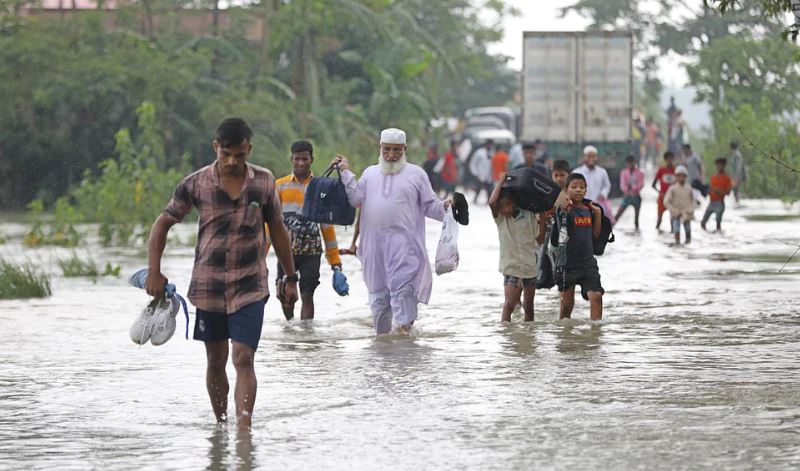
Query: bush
[[124, 199], [22, 281], [60, 232]]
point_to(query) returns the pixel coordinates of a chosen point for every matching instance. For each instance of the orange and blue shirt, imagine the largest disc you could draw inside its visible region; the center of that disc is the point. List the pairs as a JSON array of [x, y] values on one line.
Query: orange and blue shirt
[[305, 235]]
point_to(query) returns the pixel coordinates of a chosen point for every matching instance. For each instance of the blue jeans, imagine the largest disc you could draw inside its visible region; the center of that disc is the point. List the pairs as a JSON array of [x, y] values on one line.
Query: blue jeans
[[676, 226]]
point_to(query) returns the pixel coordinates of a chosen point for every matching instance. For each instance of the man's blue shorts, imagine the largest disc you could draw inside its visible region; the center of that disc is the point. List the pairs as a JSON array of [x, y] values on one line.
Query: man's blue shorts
[[243, 326]]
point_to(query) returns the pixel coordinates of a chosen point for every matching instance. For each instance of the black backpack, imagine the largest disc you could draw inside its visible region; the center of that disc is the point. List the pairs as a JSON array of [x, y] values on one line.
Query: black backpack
[[606, 232], [531, 189]]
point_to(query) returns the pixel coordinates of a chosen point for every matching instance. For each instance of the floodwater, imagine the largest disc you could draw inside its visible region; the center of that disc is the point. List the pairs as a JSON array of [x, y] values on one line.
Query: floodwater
[[695, 365]]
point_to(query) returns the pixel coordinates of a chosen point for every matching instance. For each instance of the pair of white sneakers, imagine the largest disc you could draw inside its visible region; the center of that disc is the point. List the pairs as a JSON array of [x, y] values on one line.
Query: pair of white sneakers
[[156, 323]]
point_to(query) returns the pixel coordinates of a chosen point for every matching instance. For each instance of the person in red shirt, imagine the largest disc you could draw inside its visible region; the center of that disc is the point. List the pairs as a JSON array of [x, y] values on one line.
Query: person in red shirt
[[720, 185], [499, 164], [665, 177], [449, 173]]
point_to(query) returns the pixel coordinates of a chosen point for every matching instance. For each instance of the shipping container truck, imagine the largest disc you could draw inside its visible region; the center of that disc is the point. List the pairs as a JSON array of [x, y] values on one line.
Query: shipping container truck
[[577, 89]]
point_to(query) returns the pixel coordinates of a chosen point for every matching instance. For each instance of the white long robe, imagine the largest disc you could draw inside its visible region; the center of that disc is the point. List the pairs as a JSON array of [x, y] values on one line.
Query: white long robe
[[392, 228]]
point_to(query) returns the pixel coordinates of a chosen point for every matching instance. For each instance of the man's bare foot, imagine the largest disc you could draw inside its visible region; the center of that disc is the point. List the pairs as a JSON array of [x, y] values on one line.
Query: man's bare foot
[[404, 329]]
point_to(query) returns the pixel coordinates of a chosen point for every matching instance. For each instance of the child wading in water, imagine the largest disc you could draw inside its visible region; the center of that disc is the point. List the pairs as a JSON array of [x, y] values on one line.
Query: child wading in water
[[631, 182], [518, 231], [679, 200], [664, 177], [577, 227], [720, 186]]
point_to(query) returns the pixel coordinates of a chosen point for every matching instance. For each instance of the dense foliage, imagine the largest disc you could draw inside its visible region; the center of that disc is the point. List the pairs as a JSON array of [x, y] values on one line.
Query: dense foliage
[[738, 58], [332, 71]]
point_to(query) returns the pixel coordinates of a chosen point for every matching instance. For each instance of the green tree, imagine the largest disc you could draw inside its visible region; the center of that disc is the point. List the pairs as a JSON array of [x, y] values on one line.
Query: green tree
[[331, 71]]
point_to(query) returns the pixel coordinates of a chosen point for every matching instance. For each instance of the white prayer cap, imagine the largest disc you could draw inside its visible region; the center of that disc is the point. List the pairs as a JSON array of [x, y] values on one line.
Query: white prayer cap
[[681, 169], [393, 136], [589, 150]]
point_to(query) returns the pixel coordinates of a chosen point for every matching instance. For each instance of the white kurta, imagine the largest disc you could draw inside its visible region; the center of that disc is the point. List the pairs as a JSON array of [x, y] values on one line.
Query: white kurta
[[392, 231], [598, 185]]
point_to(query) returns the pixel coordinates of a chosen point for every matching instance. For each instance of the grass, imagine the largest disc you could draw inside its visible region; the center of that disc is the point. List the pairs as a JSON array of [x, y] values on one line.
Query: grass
[[76, 267], [771, 217], [22, 281]]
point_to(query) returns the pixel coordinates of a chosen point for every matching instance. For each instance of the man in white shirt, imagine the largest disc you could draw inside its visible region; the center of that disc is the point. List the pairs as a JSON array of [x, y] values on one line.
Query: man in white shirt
[[481, 167], [598, 185]]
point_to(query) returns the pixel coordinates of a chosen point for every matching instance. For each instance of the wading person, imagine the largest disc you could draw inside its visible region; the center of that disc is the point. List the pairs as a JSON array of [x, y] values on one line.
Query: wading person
[[738, 170], [234, 199], [518, 231], [583, 224], [305, 235], [679, 200], [449, 174], [631, 182], [480, 165], [720, 185], [665, 176], [395, 197], [598, 185]]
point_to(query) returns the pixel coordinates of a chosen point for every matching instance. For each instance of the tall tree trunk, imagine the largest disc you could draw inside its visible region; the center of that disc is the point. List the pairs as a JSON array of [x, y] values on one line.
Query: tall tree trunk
[[147, 19], [215, 19]]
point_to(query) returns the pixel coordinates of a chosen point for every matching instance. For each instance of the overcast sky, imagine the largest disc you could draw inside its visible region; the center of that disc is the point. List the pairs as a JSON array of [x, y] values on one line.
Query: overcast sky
[[543, 15]]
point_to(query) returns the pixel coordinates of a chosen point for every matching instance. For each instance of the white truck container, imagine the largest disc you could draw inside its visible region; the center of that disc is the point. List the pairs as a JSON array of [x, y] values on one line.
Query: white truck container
[[577, 87]]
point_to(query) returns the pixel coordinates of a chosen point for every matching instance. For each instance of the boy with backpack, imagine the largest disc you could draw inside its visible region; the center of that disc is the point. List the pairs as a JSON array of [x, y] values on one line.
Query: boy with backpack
[[518, 231], [720, 185], [578, 225], [679, 200]]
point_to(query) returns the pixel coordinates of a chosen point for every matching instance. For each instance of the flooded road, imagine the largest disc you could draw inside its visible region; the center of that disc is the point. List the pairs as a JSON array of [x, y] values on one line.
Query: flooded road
[[695, 365]]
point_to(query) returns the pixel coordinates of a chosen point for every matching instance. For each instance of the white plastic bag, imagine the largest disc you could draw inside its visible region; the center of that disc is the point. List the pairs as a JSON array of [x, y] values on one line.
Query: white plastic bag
[[447, 250]]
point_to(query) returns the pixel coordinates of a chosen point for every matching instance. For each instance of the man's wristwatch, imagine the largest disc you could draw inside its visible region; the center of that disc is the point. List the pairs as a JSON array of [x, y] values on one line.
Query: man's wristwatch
[[291, 279]]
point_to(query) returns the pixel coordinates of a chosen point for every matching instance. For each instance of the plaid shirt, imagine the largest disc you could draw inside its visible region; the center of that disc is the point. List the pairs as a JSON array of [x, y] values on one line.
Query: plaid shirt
[[230, 267]]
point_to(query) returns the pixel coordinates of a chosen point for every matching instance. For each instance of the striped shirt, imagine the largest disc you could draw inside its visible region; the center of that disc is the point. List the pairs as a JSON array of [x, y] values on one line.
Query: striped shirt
[[305, 234], [230, 267]]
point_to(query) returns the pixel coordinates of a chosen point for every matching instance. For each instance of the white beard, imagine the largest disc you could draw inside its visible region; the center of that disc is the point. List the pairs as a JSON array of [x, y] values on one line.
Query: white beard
[[391, 168]]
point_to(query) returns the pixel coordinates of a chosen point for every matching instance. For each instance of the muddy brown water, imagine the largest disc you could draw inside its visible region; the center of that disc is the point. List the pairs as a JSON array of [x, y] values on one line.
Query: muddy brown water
[[695, 365]]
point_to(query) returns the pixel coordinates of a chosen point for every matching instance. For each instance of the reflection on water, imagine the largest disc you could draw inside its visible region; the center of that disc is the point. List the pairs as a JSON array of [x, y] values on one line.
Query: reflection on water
[[694, 366], [219, 449], [579, 340]]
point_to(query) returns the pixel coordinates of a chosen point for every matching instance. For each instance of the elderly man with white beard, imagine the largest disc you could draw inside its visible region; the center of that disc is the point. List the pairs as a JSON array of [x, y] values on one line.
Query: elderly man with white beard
[[395, 198]]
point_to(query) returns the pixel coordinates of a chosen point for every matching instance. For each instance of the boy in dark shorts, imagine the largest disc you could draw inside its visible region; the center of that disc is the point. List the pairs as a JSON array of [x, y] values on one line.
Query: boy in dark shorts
[[518, 230], [577, 226]]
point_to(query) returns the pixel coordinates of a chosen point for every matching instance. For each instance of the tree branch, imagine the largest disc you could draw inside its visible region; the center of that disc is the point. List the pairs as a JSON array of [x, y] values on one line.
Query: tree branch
[[768, 154]]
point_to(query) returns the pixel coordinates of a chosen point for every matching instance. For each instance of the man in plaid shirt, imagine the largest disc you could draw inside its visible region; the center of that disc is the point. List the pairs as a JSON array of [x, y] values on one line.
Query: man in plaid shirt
[[234, 199]]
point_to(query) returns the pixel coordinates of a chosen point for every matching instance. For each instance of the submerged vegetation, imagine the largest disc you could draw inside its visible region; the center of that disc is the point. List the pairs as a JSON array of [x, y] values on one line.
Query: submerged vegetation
[[79, 267], [22, 281]]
